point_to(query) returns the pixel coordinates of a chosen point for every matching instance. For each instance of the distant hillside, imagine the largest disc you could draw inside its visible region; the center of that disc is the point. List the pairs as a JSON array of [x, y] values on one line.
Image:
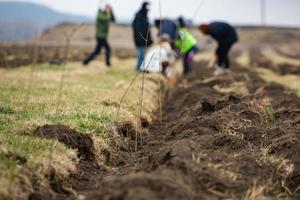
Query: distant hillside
[[19, 20]]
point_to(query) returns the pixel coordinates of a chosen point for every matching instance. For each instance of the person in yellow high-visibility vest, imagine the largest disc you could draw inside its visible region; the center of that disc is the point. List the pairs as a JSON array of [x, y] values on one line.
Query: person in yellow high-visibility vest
[[187, 44]]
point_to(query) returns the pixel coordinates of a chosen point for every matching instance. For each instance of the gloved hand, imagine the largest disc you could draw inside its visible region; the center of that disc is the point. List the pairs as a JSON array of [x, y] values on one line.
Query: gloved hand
[[172, 82]]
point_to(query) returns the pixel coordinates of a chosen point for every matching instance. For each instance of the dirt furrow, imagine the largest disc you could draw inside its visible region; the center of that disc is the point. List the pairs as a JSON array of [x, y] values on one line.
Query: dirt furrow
[[226, 137], [229, 137]]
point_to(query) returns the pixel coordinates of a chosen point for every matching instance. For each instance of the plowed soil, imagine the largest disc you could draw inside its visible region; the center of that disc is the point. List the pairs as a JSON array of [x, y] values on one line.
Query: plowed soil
[[228, 137]]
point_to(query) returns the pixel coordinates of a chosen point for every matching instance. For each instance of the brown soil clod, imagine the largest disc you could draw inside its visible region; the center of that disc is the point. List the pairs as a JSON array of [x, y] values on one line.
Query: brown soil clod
[[71, 138], [227, 142], [145, 122], [58, 184], [208, 107], [128, 129], [251, 116], [234, 99]]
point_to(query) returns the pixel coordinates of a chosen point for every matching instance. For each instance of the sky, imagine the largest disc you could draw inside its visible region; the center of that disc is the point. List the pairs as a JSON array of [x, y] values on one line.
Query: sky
[[279, 12]]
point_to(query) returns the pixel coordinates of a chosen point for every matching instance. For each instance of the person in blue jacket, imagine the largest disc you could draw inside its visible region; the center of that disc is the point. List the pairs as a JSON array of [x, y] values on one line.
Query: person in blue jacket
[[142, 32], [167, 27], [226, 36]]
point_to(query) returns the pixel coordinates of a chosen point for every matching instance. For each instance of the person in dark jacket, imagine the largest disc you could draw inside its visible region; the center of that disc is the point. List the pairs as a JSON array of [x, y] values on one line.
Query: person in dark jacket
[[167, 27], [226, 36], [105, 16], [142, 33]]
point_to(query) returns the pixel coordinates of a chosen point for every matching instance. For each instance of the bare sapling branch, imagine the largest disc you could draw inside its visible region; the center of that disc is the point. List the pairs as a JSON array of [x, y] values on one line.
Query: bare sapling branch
[[68, 37]]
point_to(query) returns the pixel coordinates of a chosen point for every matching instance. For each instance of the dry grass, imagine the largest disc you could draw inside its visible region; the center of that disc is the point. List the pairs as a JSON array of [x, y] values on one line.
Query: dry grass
[[256, 192]]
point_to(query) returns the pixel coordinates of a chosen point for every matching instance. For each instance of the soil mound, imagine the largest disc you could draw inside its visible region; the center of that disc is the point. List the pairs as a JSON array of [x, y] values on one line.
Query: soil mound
[[71, 138]]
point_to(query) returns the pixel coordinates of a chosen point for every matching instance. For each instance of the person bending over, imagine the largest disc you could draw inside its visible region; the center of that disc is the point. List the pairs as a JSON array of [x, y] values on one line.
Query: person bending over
[[226, 36], [167, 27]]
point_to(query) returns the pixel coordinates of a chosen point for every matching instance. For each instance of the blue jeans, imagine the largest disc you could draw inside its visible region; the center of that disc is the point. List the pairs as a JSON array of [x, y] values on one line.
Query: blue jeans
[[141, 54]]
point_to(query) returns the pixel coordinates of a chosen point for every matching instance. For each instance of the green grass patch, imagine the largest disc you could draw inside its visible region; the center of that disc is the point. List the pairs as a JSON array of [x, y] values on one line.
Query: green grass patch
[[31, 97]]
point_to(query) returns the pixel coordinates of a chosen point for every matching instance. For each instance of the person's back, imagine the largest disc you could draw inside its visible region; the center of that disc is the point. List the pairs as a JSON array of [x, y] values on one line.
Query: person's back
[[156, 56], [160, 58], [141, 33], [223, 32], [167, 26], [226, 37], [186, 40], [141, 28]]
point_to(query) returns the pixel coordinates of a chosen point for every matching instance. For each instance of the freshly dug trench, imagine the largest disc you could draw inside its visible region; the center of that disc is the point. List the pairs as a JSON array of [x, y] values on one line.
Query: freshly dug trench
[[213, 145], [208, 145]]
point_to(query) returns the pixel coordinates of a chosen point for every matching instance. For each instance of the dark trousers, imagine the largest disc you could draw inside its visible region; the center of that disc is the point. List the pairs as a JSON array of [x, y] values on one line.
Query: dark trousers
[[222, 55], [101, 42], [188, 60]]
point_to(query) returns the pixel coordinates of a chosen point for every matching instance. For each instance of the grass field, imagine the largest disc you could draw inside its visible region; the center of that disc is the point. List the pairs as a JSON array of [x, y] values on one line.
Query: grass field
[[78, 96]]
